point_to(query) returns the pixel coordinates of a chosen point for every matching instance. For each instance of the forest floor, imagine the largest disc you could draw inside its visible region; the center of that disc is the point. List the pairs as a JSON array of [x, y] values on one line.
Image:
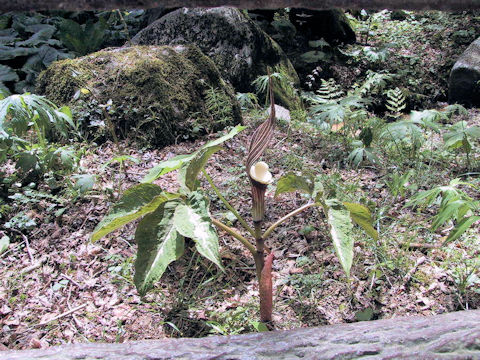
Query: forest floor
[[57, 287]]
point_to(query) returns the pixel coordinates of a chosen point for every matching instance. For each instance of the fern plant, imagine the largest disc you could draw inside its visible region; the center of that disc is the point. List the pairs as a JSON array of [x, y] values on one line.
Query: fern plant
[[329, 90], [283, 87], [218, 106], [374, 83], [343, 115], [247, 100], [261, 83], [454, 206], [395, 101]]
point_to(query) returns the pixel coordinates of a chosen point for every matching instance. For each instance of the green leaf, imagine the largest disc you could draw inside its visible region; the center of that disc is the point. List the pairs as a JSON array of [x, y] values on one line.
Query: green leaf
[[461, 227], [224, 138], [43, 32], [453, 140], [159, 243], [26, 162], [84, 182], [166, 166], [194, 166], [341, 230], [8, 52], [473, 131], [362, 217], [178, 161], [291, 182], [135, 202], [318, 190], [447, 212], [7, 74], [364, 315], [4, 243], [356, 156], [192, 220], [318, 43], [259, 326]]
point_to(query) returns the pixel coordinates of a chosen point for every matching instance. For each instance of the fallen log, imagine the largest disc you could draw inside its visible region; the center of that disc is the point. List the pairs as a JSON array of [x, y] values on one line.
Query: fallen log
[[449, 336], [27, 5]]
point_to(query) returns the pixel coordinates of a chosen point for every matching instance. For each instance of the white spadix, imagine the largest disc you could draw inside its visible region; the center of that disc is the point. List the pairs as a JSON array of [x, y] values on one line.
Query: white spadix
[[259, 172]]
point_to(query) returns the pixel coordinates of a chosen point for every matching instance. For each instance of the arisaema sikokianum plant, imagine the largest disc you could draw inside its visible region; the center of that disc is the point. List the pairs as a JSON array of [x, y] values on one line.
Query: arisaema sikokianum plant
[[169, 218]]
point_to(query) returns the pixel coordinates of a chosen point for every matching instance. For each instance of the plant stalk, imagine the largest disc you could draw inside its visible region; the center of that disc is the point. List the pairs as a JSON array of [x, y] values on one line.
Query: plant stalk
[[236, 235], [286, 217], [260, 249], [227, 204]]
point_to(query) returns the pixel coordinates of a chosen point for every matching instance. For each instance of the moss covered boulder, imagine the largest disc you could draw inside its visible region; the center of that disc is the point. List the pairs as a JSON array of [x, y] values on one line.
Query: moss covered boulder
[[464, 82], [157, 95], [240, 49]]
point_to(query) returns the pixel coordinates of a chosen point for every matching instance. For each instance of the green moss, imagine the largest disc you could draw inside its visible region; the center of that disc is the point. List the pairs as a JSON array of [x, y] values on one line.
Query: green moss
[[286, 94], [157, 92], [63, 81]]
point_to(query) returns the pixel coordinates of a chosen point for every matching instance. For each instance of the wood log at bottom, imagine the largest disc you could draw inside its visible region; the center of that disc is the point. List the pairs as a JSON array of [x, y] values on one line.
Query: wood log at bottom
[[449, 336]]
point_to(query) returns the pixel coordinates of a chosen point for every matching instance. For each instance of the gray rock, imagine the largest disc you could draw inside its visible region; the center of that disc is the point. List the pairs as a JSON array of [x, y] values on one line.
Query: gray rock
[[280, 113], [156, 94], [464, 82], [448, 336], [239, 48]]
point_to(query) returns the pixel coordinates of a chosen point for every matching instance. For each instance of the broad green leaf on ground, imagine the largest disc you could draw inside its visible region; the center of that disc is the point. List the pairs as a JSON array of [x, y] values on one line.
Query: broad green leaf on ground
[[341, 230], [166, 166], [291, 182], [159, 243], [84, 182], [362, 217], [193, 168], [135, 202], [192, 220], [461, 227]]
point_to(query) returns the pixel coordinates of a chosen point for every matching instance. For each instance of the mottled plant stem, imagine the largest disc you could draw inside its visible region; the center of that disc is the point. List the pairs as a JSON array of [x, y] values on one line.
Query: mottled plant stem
[[259, 254]]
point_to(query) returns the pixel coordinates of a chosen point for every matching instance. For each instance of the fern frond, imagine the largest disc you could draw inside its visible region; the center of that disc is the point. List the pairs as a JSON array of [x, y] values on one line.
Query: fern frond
[[395, 100], [374, 83]]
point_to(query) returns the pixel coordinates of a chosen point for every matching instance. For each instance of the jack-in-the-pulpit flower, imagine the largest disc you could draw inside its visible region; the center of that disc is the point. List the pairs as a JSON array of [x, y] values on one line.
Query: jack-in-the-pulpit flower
[[259, 172]]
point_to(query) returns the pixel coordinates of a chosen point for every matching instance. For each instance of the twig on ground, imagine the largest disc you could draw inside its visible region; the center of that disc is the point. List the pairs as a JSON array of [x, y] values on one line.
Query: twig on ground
[[33, 267], [71, 311], [27, 244]]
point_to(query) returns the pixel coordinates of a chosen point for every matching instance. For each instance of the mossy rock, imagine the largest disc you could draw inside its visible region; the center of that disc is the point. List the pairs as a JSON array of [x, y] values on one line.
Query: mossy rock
[[155, 94], [464, 82], [236, 44]]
